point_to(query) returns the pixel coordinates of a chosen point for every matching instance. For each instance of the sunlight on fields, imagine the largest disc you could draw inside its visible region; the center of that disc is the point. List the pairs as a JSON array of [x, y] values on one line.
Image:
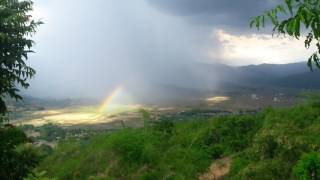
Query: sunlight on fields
[[118, 106], [61, 116], [217, 99], [76, 116], [113, 108]]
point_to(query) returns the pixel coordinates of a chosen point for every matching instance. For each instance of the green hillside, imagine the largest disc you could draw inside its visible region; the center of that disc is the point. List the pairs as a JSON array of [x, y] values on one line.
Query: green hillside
[[274, 144]]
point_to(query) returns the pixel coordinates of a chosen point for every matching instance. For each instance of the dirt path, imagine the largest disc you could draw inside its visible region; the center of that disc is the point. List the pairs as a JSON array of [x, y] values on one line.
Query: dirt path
[[218, 170]]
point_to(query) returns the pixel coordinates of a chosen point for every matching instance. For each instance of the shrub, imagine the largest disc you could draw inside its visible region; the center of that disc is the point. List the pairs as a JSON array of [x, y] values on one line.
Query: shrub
[[308, 167]]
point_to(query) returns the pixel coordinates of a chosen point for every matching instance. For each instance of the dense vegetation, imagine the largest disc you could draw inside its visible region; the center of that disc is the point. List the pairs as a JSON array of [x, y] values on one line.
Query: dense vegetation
[[274, 144], [17, 157]]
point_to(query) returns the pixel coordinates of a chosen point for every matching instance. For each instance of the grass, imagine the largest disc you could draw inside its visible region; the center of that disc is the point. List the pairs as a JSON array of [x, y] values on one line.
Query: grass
[[273, 144]]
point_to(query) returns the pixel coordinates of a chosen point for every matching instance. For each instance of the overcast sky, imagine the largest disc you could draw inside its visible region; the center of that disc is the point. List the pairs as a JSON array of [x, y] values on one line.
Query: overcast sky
[[90, 47]]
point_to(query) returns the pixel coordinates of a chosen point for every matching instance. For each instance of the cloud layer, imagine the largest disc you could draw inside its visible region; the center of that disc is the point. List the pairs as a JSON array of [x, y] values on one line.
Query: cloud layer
[[228, 14], [87, 48], [257, 48]]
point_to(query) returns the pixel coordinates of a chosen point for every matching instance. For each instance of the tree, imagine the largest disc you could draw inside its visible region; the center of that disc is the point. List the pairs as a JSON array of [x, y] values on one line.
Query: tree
[[16, 28], [291, 18], [17, 158]]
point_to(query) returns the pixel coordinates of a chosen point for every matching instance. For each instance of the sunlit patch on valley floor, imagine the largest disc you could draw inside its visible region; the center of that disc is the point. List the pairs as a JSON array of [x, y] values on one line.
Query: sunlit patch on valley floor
[[75, 116], [117, 107], [116, 103], [217, 99]]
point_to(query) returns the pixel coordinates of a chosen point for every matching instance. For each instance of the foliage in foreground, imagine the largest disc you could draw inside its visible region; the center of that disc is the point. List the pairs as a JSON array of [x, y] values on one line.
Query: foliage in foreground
[[17, 158], [275, 144], [166, 150], [280, 147], [292, 17], [16, 28]]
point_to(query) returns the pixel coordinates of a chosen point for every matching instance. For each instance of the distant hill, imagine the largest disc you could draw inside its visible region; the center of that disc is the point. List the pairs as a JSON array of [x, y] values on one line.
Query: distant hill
[[306, 80], [201, 79], [295, 75], [276, 70]]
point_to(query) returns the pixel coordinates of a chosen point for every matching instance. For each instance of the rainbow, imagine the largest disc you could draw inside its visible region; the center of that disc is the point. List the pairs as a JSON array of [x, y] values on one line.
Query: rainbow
[[108, 100]]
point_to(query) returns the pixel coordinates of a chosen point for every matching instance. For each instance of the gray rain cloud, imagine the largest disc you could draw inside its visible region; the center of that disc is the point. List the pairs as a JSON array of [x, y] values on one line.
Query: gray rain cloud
[[87, 48], [229, 14]]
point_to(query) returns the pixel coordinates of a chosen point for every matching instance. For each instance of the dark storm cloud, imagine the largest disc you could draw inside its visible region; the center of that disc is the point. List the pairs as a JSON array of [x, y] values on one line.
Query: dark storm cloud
[[230, 13], [87, 48], [103, 43]]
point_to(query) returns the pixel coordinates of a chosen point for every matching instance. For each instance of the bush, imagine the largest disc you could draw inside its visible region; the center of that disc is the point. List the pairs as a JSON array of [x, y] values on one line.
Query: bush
[[263, 146], [17, 158], [308, 167]]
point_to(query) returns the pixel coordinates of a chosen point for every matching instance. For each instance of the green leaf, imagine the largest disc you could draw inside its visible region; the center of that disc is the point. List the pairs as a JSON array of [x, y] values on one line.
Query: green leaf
[[310, 63], [289, 6], [281, 9], [297, 28], [257, 22]]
